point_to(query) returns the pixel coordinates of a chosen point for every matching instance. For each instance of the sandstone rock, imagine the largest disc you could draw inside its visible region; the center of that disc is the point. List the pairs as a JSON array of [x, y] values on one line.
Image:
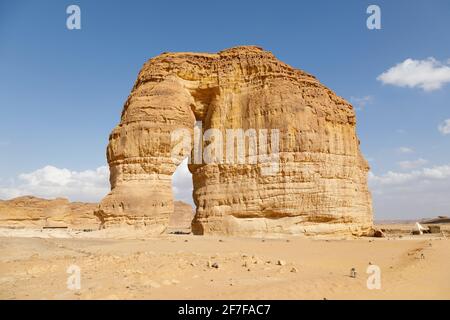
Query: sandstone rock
[[434, 228], [379, 234], [32, 212], [321, 184], [181, 219]]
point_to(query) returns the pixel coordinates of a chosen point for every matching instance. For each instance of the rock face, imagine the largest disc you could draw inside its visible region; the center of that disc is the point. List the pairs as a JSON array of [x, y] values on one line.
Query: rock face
[[319, 187], [181, 219], [31, 212]]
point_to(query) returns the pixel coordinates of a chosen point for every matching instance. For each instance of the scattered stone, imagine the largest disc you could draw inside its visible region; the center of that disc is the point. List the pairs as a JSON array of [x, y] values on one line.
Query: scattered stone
[[294, 270], [353, 273], [215, 265], [379, 234], [281, 262]]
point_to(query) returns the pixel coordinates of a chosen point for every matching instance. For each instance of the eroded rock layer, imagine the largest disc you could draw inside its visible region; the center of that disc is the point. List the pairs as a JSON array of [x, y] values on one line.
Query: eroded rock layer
[[181, 220], [32, 212], [320, 186]]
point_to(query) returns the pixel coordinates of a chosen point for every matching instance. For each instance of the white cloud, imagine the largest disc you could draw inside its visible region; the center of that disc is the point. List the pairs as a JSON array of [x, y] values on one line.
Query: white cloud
[[52, 182], [399, 178], [405, 150], [182, 183], [361, 102], [429, 74], [444, 128], [89, 185], [412, 164], [414, 194]]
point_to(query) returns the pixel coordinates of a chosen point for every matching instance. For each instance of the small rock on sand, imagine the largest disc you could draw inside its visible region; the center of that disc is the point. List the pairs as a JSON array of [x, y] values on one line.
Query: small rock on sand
[[379, 234], [281, 262]]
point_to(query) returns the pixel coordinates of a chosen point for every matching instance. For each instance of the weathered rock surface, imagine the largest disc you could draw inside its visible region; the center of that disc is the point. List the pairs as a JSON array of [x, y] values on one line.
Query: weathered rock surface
[[32, 212], [321, 186], [181, 219]]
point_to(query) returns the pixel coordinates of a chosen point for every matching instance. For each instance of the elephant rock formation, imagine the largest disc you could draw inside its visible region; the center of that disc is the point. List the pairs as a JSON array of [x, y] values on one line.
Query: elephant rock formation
[[320, 186]]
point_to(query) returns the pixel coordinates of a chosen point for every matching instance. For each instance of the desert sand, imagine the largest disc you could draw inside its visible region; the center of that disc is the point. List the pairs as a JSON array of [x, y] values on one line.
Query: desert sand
[[34, 263]]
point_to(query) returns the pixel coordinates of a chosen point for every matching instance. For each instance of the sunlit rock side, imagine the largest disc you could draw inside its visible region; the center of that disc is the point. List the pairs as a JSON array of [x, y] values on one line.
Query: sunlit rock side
[[32, 212], [321, 185]]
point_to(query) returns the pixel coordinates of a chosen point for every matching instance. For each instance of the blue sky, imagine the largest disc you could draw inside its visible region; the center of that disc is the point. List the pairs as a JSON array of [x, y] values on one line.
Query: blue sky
[[63, 90]]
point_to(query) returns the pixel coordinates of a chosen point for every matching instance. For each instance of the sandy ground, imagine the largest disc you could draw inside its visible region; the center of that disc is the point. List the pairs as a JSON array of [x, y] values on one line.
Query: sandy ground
[[33, 265]]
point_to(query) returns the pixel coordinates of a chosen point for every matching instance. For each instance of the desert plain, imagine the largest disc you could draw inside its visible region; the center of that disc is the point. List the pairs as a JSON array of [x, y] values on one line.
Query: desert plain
[[34, 265]]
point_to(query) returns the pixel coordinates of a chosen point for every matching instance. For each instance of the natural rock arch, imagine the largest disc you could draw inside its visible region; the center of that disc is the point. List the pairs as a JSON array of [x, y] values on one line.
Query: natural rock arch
[[321, 186]]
